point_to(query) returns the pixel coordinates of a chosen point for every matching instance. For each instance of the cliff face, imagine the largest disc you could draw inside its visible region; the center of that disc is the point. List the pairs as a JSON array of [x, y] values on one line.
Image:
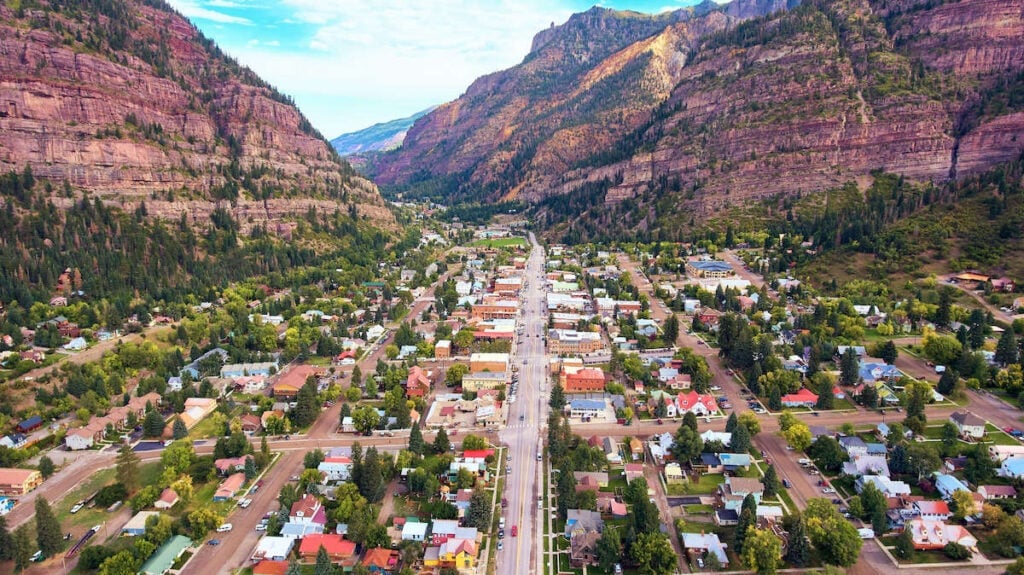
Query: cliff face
[[748, 101], [126, 100]]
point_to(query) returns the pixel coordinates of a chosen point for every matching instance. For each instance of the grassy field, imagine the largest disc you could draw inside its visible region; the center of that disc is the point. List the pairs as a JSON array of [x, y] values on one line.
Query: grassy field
[[499, 243]]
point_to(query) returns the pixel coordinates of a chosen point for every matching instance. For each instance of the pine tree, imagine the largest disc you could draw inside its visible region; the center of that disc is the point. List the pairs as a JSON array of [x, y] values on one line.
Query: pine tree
[[416, 444], [371, 482], [250, 468], [21, 547], [947, 381], [670, 331], [128, 468], [557, 400], [888, 352], [441, 443], [323, 563], [153, 424], [48, 533], [1006, 349], [771, 482], [293, 568], [6, 543], [731, 423], [690, 420], [179, 431], [740, 439], [748, 519], [798, 552], [849, 367]]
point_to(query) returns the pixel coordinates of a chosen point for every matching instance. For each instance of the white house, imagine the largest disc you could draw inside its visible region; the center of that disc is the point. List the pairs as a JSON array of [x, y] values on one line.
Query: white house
[[414, 531], [335, 468], [947, 485], [79, 438], [725, 438], [969, 425]]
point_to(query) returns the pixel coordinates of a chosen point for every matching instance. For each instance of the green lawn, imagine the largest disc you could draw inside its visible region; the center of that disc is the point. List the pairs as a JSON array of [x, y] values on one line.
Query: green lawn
[[707, 483], [499, 243], [999, 437], [87, 517], [699, 509]]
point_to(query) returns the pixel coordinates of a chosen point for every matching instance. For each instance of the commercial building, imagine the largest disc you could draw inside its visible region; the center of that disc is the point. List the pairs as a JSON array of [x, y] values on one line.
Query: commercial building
[[19, 481], [572, 342], [587, 380], [708, 269], [495, 362], [482, 380]]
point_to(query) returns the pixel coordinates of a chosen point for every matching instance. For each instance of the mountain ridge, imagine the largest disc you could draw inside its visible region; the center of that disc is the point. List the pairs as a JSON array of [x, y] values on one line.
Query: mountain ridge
[[379, 137]]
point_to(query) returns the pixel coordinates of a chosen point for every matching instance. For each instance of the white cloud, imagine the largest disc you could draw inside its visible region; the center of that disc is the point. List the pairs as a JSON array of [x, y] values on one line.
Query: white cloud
[[193, 10]]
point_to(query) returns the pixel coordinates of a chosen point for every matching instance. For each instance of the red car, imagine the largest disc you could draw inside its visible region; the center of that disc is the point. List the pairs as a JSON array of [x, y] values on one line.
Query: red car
[[515, 530]]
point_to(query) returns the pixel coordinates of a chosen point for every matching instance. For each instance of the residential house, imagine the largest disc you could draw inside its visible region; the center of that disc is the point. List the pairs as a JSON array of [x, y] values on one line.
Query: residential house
[[79, 438], [697, 544], [633, 471], [659, 447], [163, 558], [417, 384], [969, 425], [31, 424], [1012, 467], [308, 510], [381, 561], [931, 510], [251, 424], [415, 531], [337, 468], [458, 553], [339, 550], [196, 408], [853, 445], [734, 461], [674, 473], [947, 485], [582, 521], [137, 524], [1002, 452], [698, 404], [19, 481], [866, 465], [288, 385], [168, 498], [590, 480], [266, 567], [229, 487], [722, 437], [229, 465], [735, 489], [997, 491], [929, 534], [802, 398], [611, 451], [272, 548], [888, 487]]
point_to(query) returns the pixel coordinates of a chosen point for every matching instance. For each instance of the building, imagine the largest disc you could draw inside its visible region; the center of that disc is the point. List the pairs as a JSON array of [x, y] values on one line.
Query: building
[[501, 309], [380, 561], [266, 567], [947, 485], [696, 403], [137, 524], [476, 381], [417, 384], [237, 370], [929, 534], [580, 521], [969, 425], [289, 384], [307, 510], [723, 437], [271, 548], [163, 559], [196, 408], [802, 398], [584, 408], [336, 468], [931, 510], [866, 465], [414, 531], [586, 380], [458, 553], [1003, 452], [853, 445], [997, 491], [227, 465], [339, 550], [496, 362], [229, 487], [443, 349], [19, 481], [31, 424], [708, 269], [701, 543], [79, 438], [572, 342], [168, 498], [1012, 467], [735, 489], [887, 486]]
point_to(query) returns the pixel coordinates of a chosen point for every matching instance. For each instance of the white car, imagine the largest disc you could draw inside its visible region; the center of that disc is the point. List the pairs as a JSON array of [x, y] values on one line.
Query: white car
[[224, 528], [716, 388], [261, 527], [827, 490], [245, 503], [78, 507]]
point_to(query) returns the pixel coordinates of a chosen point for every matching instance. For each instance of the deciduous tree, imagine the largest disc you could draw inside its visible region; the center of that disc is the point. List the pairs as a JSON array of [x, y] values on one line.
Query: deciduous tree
[[761, 551]]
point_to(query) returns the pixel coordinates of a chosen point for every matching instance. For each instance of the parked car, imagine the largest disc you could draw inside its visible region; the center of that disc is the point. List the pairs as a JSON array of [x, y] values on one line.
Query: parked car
[[213, 542], [786, 483], [225, 528], [515, 530]]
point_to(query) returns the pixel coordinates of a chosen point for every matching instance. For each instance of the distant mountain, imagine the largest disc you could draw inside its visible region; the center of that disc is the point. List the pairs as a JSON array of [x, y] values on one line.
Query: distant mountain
[[378, 137], [619, 121]]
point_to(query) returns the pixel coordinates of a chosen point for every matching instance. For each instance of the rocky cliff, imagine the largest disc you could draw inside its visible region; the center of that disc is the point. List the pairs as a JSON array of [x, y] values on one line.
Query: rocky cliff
[[663, 121], [126, 100]]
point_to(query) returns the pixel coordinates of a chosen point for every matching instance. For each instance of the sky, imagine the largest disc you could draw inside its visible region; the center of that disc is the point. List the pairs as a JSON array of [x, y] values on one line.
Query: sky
[[352, 63]]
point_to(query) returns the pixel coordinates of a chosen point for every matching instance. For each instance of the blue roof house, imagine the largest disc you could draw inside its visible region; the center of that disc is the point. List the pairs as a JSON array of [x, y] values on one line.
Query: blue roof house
[[947, 485]]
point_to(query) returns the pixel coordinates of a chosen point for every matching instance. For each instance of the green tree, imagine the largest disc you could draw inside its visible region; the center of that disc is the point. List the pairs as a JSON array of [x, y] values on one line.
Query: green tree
[[121, 563], [479, 512], [787, 420], [416, 444], [441, 442], [153, 424], [904, 548], [771, 482], [943, 313], [6, 543], [557, 400], [1006, 350], [740, 439], [48, 532], [747, 521], [293, 568], [307, 405], [323, 563], [761, 551], [731, 423], [849, 367], [179, 431], [670, 331], [365, 419], [250, 469], [473, 443], [887, 352], [1016, 568], [653, 553], [687, 444], [835, 538], [128, 468], [690, 420], [46, 467], [827, 453], [869, 396], [609, 549], [202, 520], [751, 422], [370, 479], [21, 547], [798, 552], [942, 349]]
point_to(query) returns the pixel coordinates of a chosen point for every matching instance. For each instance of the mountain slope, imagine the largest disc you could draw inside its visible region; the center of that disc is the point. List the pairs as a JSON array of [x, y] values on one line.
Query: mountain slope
[[378, 137], [678, 117], [127, 100]]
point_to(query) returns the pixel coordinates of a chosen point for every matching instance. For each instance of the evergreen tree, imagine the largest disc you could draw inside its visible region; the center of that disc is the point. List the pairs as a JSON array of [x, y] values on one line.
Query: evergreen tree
[[609, 549], [372, 388], [775, 398], [153, 424], [441, 443], [179, 431], [731, 423], [690, 420], [904, 545], [826, 399], [323, 563], [748, 519], [416, 444], [479, 512], [371, 481], [250, 468], [849, 367], [6, 543], [307, 407], [670, 330], [888, 352], [947, 381], [21, 547], [944, 309], [294, 568], [798, 553], [557, 400], [48, 533], [128, 468], [869, 396], [771, 482], [46, 467], [740, 439], [1006, 349]]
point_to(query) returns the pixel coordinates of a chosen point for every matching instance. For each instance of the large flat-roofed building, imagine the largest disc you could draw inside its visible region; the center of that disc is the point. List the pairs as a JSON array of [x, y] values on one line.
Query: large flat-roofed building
[[494, 362], [708, 269], [587, 380], [483, 380], [500, 309], [19, 481], [570, 341]]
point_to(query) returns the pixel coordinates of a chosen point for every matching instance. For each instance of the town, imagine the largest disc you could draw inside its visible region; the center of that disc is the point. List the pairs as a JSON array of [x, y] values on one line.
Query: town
[[484, 404]]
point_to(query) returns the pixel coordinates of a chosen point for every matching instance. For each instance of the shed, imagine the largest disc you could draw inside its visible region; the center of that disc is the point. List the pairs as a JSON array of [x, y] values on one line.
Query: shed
[[164, 557]]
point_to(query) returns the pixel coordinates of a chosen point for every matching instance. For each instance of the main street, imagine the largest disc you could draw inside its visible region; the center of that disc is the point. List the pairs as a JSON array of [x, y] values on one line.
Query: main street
[[522, 435]]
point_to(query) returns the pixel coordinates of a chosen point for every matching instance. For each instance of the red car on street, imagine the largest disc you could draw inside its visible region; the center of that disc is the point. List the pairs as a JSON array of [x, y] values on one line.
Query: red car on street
[[515, 530]]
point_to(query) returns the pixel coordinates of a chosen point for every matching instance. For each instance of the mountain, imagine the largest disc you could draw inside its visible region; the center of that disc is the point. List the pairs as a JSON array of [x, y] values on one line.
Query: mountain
[[378, 137], [128, 101], [629, 122]]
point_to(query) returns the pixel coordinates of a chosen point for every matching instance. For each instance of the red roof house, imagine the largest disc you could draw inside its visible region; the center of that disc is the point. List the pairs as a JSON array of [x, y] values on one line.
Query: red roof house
[[338, 549], [802, 398]]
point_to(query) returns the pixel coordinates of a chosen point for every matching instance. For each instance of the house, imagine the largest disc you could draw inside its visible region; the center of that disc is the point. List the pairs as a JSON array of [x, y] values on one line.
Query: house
[[237, 370], [417, 384], [31, 424], [307, 510], [997, 491], [802, 398], [659, 447], [1003, 452], [583, 549], [888, 487], [79, 438], [726, 517], [458, 553], [168, 498], [19, 481], [947, 485], [336, 468], [735, 489], [931, 510], [969, 425], [590, 480], [700, 543], [137, 524], [722, 437], [633, 471], [877, 449], [586, 380], [196, 408], [611, 451], [251, 424], [866, 465], [289, 384], [268, 415], [1012, 467], [698, 404], [227, 488], [733, 461], [228, 465], [77, 344], [853, 445], [338, 549], [579, 521], [273, 548], [414, 531], [163, 558], [381, 561], [936, 534]]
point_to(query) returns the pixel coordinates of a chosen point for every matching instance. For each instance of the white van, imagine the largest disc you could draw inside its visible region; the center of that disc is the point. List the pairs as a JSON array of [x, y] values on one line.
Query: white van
[[804, 461], [224, 528], [501, 523], [866, 533]]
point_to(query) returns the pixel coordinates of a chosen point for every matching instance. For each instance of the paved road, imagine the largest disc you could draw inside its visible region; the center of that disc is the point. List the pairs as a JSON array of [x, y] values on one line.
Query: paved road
[[523, 436]]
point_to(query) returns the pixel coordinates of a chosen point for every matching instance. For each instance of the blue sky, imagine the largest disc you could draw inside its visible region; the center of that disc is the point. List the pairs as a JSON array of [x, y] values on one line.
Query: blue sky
[[353, 63]]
